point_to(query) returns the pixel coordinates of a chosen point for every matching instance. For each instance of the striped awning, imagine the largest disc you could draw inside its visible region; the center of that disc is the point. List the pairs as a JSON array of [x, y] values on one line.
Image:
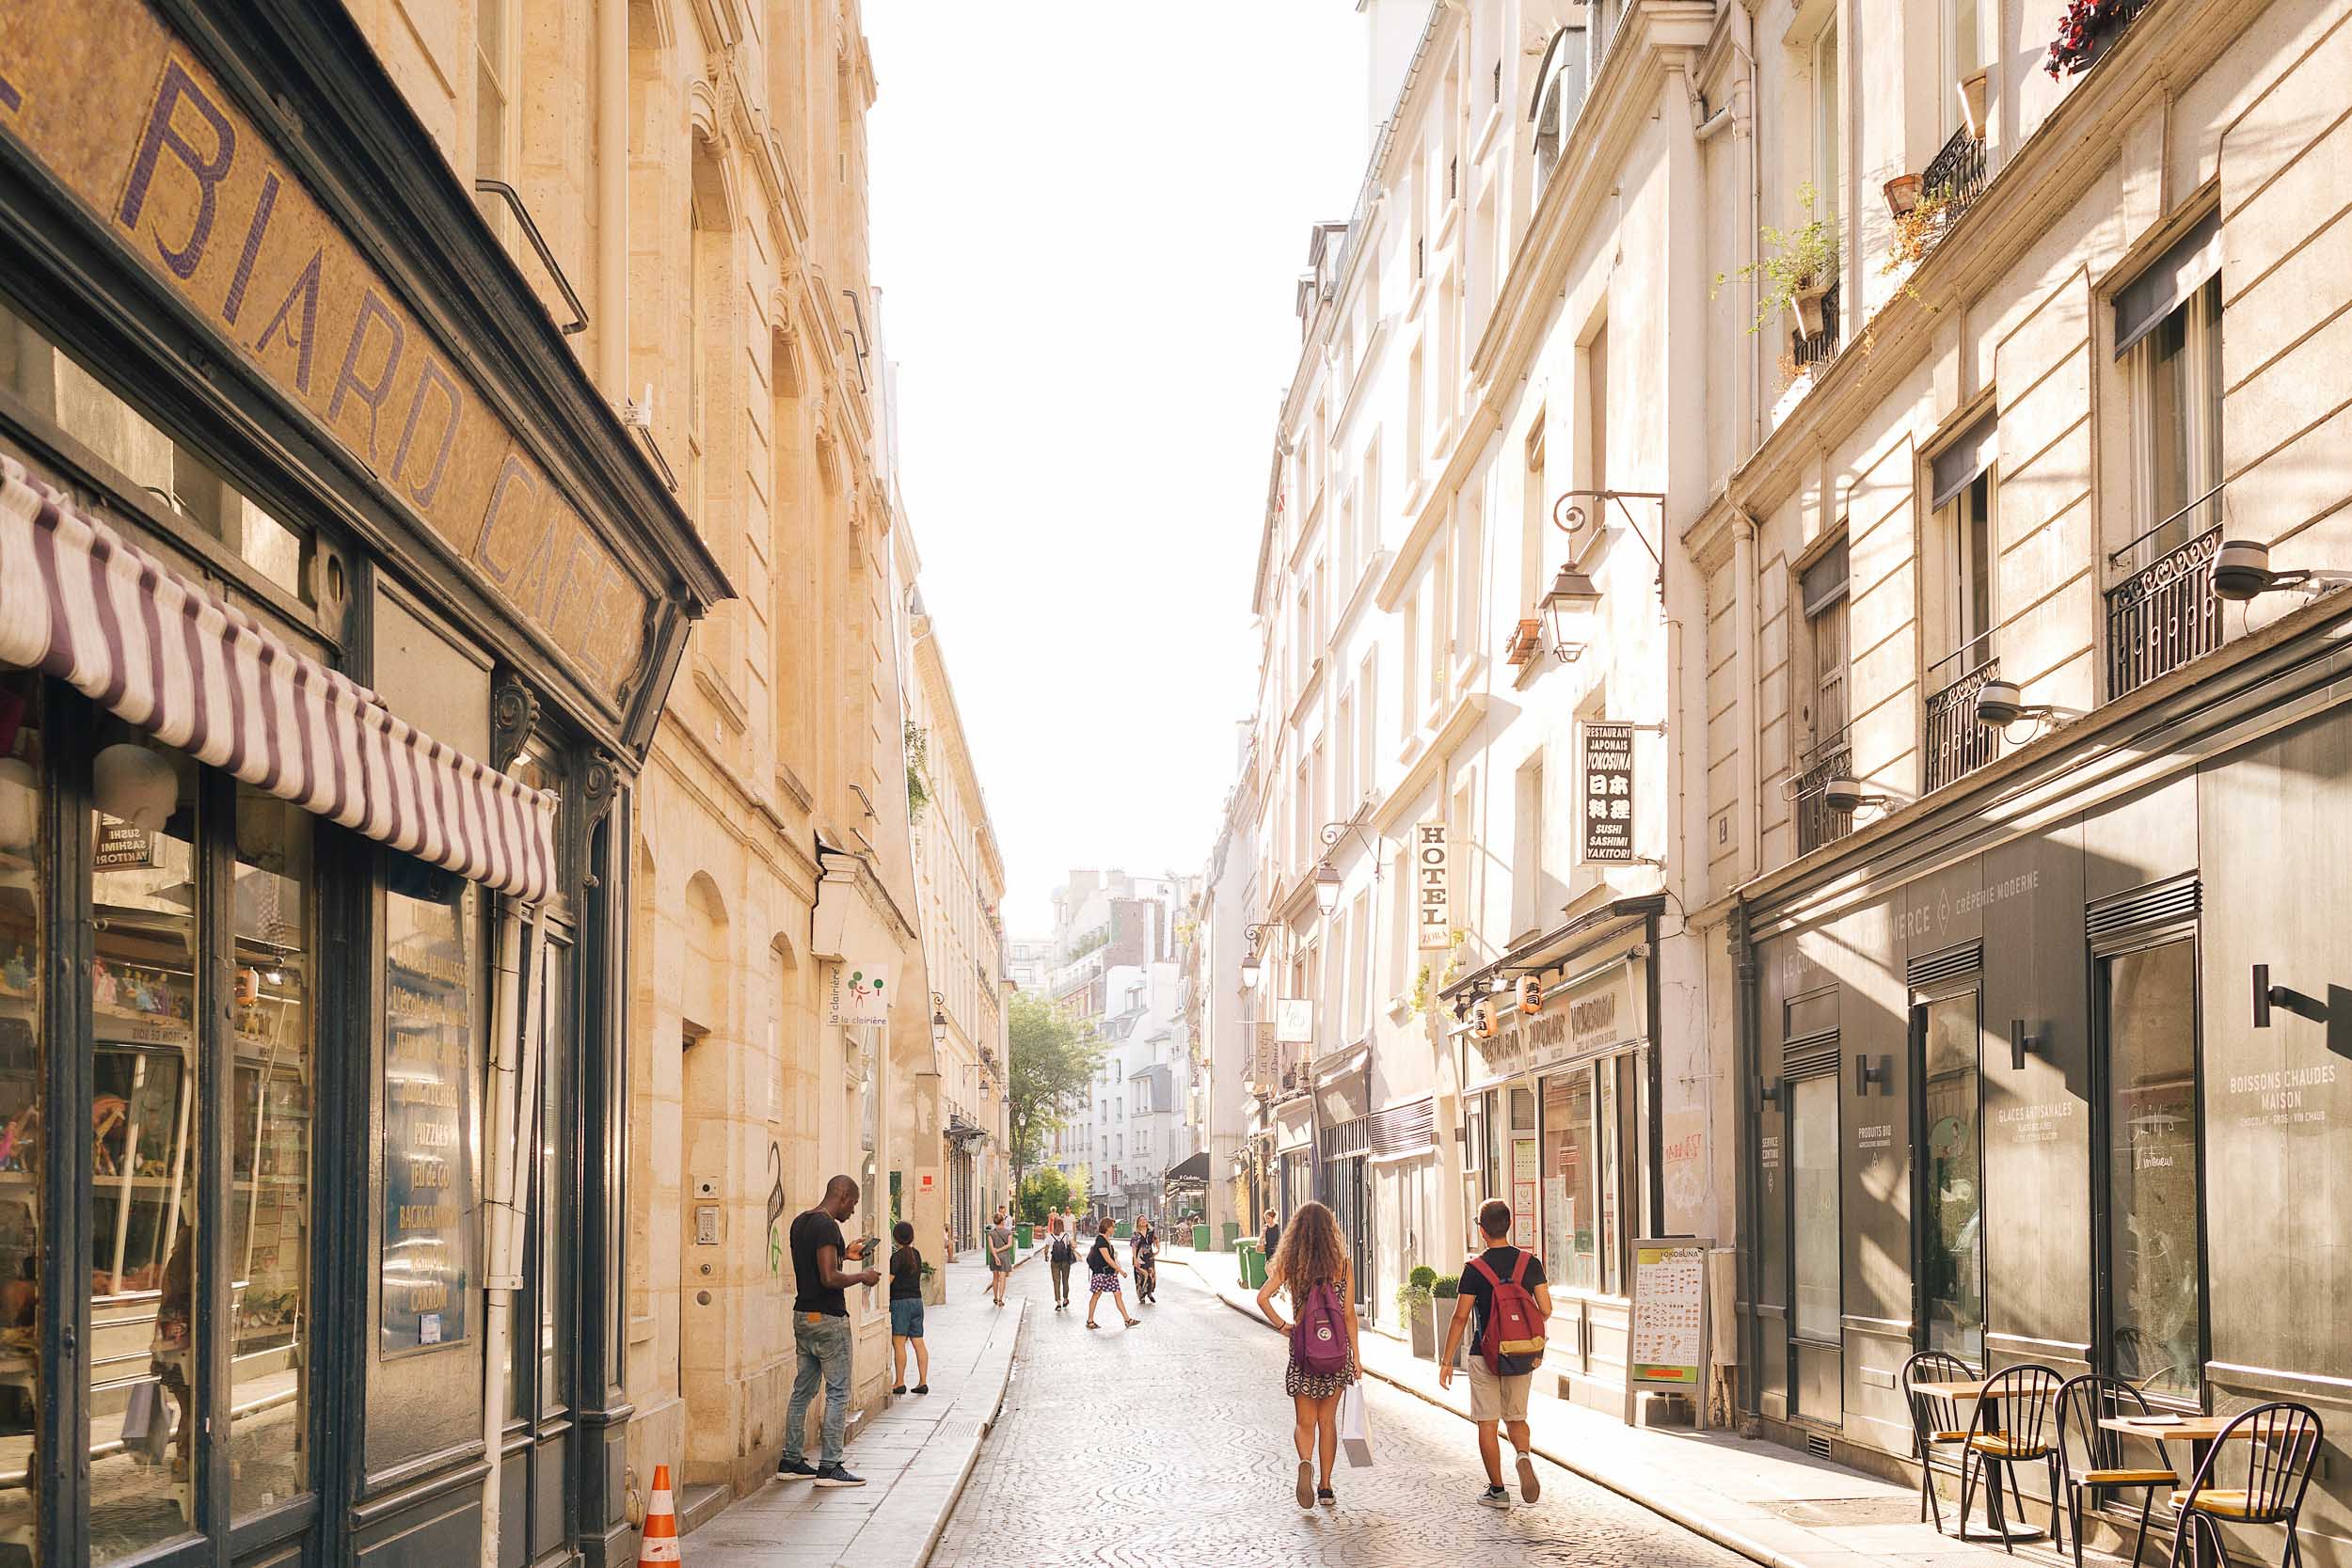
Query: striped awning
[[81, 603]]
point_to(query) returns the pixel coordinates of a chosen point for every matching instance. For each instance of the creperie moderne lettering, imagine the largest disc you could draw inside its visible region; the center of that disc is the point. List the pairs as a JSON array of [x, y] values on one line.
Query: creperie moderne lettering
[[187, 183]]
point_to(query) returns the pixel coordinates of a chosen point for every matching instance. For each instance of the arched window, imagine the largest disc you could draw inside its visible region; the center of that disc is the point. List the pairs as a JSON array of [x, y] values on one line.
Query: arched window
[[1559, 94]]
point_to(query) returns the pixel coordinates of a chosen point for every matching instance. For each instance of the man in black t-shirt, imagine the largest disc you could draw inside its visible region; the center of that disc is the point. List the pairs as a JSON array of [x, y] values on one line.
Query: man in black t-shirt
[[1497, 1397], [821, 1334]]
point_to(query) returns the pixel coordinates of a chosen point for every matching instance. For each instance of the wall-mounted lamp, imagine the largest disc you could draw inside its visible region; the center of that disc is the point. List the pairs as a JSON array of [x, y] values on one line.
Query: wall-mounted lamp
[[2001, 703], [1249, 964], [2267, 996], [939, 1019], [2023, 1041], [1867, 1073], [2242, 571], [1848, 797], [1327, 880], [1572, 593], [1770, 1091]]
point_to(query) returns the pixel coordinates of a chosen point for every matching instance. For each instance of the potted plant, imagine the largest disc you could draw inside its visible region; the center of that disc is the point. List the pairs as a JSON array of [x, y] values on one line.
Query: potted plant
[[1915, 232], [1972, 89], [1445, 1289], [1801, 267], [934, 1286], [1413, 1300]]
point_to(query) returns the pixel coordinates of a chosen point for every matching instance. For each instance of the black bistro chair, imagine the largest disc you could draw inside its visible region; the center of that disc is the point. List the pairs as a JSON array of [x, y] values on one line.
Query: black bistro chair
[[2083, 1402], [2279, 1446], [2015, 1424], [1936, 1424]]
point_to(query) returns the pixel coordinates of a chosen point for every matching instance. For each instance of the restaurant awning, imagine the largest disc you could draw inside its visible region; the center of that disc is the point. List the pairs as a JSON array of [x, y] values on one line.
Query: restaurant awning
[[81, 603], [1193, 1169]]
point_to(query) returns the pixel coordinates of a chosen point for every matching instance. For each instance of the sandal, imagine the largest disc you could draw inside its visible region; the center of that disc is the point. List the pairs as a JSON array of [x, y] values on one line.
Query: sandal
[[1306, 1484], [1324, 1495]]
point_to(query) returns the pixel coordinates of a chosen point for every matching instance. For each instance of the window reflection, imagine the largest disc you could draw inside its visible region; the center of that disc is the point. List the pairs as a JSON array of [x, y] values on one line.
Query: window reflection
[[143, 1267], [2156, 1284], [21, 1072], [1954, 1191], [269, 1207]]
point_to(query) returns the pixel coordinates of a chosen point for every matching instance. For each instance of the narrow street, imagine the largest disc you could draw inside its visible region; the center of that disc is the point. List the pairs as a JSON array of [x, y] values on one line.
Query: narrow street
[[1169, 1444]]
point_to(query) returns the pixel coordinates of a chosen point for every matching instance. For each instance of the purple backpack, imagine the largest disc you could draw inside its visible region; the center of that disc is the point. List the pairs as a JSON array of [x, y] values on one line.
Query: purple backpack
[[1319, 1338]]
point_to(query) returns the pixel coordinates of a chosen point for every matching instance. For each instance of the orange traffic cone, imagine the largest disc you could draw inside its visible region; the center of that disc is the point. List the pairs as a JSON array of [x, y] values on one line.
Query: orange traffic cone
[[660, 1541]]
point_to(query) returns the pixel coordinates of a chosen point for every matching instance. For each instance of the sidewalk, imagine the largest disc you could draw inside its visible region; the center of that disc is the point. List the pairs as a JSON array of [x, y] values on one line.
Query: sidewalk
[[916, 1455], [1767, 1503]]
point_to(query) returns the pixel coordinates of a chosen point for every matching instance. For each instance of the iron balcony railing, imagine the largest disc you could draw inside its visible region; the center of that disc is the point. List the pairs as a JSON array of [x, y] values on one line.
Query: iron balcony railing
[[2163, 614], [1821, 347], [1817, 824], [1955, 174], [1957, 745]]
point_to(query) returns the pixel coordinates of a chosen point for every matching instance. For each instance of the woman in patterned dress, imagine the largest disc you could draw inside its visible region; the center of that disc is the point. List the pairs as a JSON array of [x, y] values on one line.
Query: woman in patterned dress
[[1314, 1254], [1104, 1268]]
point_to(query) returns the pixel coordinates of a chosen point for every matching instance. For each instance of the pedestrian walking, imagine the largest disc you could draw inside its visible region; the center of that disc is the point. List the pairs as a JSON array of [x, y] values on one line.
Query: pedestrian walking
[[906, 1311], [1314, 1267], [1061, 1251], [821, 1334], [1503, 1303], [999, 1257], [1270, 1237], [1145, 1251], [1103, 1270]]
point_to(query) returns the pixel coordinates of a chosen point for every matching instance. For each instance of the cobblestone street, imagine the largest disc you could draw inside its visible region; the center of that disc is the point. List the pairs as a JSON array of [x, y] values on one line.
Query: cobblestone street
[[1169, 1445]]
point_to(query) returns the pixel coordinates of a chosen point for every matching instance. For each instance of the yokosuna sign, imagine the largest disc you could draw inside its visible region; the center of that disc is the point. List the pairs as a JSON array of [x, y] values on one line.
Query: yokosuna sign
[[1609, 794]]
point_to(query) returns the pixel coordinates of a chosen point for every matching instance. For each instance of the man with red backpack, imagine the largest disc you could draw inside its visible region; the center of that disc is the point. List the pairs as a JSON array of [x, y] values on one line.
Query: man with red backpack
[[1503, 1306]]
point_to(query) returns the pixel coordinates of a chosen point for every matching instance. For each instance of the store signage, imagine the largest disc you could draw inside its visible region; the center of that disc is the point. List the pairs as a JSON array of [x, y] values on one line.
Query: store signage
[[1266, 1066], [1294, 1021], [1577, 1022], [148, 139], [1609, 794], [1667, 1345], [860, 994], [1433, 887], [122, 846]]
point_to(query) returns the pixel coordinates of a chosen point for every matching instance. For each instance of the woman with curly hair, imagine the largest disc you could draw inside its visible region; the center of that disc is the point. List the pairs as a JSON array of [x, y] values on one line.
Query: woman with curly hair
[[1314, 1259]]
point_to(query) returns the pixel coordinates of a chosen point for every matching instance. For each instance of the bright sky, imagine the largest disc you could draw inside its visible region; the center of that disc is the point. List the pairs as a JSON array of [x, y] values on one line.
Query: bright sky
[[1088, 216]]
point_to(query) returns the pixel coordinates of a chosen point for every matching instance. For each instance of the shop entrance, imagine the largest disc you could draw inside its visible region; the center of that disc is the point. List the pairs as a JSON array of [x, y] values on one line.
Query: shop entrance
[[1950, 1171]]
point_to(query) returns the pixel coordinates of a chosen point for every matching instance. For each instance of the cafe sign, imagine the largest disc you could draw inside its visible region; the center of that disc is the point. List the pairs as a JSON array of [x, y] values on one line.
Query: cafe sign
[[129, 122], [1609, 794]]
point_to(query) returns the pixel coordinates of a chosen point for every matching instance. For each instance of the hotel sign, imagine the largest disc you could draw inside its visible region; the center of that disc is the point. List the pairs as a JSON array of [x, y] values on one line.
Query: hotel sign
[[103, 96], [1433, 893]]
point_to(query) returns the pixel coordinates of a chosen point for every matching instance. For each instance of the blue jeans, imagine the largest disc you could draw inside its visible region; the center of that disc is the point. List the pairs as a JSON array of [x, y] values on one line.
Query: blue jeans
[[821, 1348]]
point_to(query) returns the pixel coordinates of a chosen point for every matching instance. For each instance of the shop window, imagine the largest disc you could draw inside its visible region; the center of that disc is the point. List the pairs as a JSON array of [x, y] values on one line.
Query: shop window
[[1571, 1203], [2155, 1277], [24, 1069], [1951, 1207], [432, 979], [1614, 1136], [1525, 1165], [1813, 1181], [146, 1279]]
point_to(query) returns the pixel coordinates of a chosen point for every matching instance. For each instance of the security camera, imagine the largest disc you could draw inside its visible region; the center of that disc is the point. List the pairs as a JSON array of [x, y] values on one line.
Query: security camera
[[1845, 795], [2241, 570], [1999, 702]]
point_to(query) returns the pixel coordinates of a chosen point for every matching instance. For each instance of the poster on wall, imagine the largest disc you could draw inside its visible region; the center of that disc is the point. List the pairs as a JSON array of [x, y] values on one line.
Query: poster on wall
[[859, 994], [1433, 887], [1609, 794], [1523, 1180], [428, 1111]]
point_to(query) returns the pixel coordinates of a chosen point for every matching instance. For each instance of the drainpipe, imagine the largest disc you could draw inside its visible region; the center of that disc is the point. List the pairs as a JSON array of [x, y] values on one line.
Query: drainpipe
[[513, 1112], [611, 135], [1747, 1399]]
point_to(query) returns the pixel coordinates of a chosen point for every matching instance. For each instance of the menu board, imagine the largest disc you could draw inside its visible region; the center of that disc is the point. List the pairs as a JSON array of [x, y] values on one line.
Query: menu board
[[1668, 1344], [428, 1106]]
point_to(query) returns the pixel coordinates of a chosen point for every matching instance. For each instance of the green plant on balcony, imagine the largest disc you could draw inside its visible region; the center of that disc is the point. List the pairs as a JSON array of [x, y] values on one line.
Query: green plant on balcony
[[918, 748], [1799, 270]]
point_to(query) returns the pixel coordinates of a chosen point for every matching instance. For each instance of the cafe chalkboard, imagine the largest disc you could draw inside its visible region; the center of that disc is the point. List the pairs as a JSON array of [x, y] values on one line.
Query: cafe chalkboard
[[1667, 1348]]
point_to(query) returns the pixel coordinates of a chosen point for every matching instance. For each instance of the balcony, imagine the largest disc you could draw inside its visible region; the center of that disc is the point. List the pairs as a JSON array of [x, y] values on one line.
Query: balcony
[[1817, 824], [1957, 745], [2163, 614], [1821, 347], [1955, 176]]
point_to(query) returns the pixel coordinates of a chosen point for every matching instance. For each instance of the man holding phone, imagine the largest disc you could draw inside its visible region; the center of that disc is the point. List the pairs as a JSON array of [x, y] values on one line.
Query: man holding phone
[[821, 1333]]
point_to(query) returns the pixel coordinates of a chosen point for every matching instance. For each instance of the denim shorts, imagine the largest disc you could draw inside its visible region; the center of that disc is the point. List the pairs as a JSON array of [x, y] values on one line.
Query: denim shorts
[[906, 1318]]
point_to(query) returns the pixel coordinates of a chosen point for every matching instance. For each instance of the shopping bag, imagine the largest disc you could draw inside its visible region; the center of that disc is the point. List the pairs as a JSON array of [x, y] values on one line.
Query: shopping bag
[[141, 1416], [1355, 1426]]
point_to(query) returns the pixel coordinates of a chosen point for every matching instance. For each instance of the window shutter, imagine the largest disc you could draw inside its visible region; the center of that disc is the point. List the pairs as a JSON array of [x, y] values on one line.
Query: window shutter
[[2166, 284]]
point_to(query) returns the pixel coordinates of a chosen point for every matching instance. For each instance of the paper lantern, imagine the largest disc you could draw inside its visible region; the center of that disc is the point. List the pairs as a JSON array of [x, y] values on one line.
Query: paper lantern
[[134, 785]]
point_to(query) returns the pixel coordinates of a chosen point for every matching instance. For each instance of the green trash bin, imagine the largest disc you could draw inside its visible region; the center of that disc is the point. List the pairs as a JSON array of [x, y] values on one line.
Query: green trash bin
[[1122, 1230], [1025, 1235], [1233, 1236], [1252, 1265], [1199, 1238]]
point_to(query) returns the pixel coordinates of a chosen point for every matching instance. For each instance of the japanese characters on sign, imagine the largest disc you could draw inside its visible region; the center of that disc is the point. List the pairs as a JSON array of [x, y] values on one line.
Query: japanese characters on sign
[[1433, 887], [1609, 794]]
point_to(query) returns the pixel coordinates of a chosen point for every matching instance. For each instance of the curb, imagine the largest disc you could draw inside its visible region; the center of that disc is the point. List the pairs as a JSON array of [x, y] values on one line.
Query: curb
[[995, 1406], [1730, 1539]]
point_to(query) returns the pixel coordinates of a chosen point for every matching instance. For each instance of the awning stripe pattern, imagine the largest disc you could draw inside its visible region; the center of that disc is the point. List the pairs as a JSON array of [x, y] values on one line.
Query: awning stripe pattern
[[81, 603]]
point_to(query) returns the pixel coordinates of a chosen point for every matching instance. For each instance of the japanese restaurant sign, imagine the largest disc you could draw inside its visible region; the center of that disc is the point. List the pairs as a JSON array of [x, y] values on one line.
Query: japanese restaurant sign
[[1667, 1345], [128, 121], [1609, 794], [1432, 894]]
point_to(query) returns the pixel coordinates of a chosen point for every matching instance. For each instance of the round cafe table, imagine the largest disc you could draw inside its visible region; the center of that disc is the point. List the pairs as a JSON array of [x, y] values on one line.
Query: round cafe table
[[1995, 1510]]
